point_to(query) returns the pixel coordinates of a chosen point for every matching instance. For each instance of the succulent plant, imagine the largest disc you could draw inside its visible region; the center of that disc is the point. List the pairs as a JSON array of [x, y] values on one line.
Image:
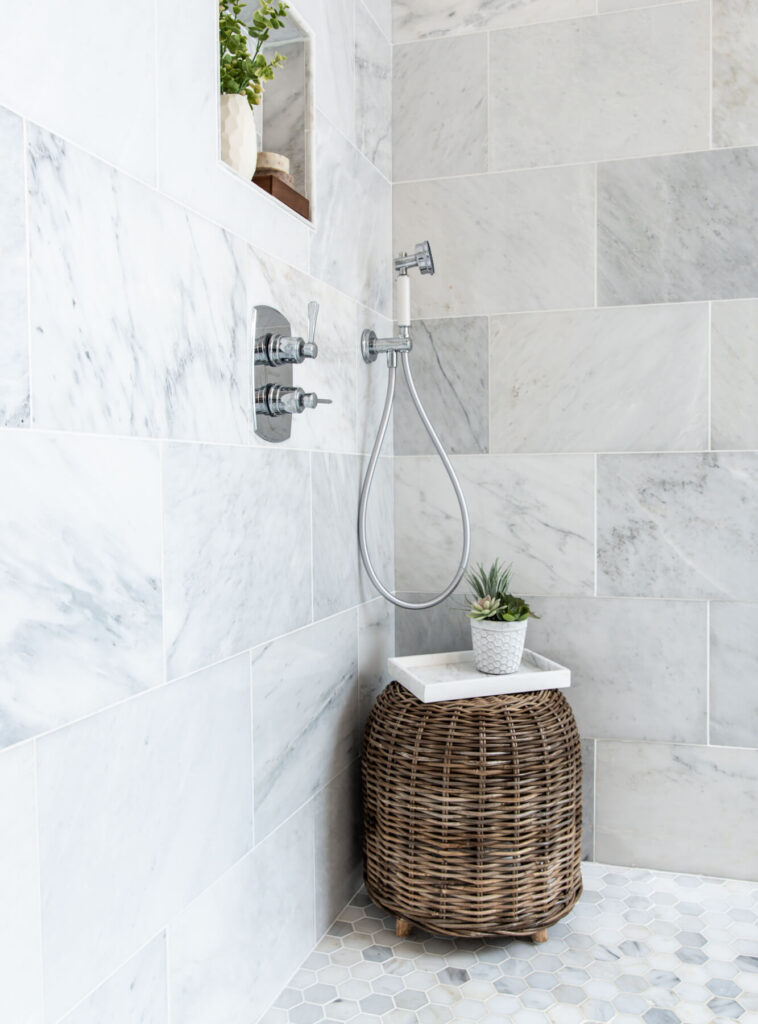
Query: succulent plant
[[241, 71], [484, 608], [503, 606]]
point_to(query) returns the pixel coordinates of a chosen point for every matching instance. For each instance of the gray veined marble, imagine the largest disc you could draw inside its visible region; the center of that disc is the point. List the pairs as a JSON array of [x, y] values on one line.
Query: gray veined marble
[[678, 525], [80, 577], [381, 11], [676, 228], [283, 111], [420, 19], [734, 674], [735, 80], [223, 547], [139, 310], [450, 367], [373, 91], [14, 328], [337, 817], [305, 715], [335, 64], [537, 227], [605, 6], [638, 668], [376, 643], [559, 93], [734, 374], [135, 994], [630, 378], [439, 108], [588, 799], [442, 628]]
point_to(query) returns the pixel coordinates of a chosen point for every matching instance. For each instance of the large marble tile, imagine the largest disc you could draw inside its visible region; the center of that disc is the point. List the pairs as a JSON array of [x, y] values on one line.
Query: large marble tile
[[371, 390], [536, 511], [677, 807], [138, 308], [735, 86], [675, 228], [450, 364], [14, 328], [337, 816], [638, 668], [351, 247], [140, 807], [80, 577], [190, 166], [92, 78], [560, 94], [373, 91], [284, 112], [335, 64], [622, 379], [678, 526], [20, 942], [734, 374], [381, 12], [734, 674], [439, 107], [305, 715], [445, 627], [420, 19], [236, 528], [233, 949], [536, 227], [376, 643], [339, 579], [588, 799], [135, 994]]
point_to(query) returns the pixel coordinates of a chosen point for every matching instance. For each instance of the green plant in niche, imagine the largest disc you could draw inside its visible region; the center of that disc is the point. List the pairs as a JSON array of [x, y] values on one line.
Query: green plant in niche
[[241, 71], [492, 600]]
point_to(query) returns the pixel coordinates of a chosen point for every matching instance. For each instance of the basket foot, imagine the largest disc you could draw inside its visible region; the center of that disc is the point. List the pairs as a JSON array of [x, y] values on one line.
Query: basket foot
[[540, 936], [403, 928]]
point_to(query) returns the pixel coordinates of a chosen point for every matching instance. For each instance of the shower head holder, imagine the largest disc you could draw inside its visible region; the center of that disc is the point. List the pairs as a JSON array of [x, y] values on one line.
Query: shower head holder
[[421, 258]]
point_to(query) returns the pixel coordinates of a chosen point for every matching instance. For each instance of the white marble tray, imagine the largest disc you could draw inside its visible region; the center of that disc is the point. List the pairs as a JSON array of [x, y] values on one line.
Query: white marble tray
[[451, 676]]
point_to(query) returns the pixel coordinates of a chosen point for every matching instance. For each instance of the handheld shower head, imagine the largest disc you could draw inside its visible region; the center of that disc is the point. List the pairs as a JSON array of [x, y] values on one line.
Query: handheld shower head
[[421, 258]]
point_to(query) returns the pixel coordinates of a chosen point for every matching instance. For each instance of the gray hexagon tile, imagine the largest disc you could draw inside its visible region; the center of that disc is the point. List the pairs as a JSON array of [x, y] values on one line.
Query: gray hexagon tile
[[640, 947]]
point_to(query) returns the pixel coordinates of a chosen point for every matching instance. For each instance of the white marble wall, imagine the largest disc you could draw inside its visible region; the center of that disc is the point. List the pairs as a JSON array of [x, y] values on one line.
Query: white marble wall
[[588, 351], [187, 646]]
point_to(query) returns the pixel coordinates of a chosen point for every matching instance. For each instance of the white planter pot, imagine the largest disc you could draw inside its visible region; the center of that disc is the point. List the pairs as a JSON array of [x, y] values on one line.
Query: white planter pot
[[239, 138], [498, 646]]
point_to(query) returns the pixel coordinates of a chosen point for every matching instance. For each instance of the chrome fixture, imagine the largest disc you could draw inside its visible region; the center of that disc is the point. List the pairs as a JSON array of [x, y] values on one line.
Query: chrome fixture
[[371, 346], [276, 350]]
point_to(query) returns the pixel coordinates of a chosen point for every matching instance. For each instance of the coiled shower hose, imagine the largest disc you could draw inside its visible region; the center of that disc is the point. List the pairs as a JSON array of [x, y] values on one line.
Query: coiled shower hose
[[366, 490]]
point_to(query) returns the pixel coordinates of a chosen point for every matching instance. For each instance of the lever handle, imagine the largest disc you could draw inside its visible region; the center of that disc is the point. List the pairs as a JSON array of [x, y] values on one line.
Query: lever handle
[[313, 308], [310, 400], [279, 399]]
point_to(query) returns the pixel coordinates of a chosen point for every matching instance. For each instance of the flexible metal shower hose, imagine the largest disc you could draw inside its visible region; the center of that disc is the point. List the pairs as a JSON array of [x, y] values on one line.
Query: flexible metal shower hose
[[366, 491]]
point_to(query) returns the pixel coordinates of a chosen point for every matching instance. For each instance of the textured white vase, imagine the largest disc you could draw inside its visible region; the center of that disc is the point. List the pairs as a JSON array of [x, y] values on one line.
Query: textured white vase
[[498, 646], [239, 138]]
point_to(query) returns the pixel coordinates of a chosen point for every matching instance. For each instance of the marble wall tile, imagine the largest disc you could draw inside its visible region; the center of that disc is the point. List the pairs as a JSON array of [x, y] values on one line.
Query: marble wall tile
[[135, 994], [588, 799], [439, 107], [450, 366], [233, 950], [678, 525], [376, 643], [335, 65], [92, 78], [676, 228], [80, 578], [140, 808], [351, 248], [534, 511], [14, 328], [734, 671], [223, 546], [734, 374], [381, 12], [652, 798], [371, 390], [305, 715], [442, 628], [373, 91], [337, 817], [283, 111], [20, 942], [735, 89], [138, 309], [632, 378], [638, 668], [420, 19], [604, 6], [537, 228], [559, 93]]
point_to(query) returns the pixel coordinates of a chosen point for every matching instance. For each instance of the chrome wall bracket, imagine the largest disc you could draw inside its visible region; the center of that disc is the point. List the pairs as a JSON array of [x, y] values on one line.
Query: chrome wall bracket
[[371, 346]]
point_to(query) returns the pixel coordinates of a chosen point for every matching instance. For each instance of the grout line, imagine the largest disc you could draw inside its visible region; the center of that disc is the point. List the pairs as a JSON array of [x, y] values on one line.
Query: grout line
[[28, 256], [375, 21], [156, 72], [595, 521], [708, 673], [709, 413], [550, 311], [251, 723], [597, 238], [162, 530], [594, 799], [488, 97], [35, 758], [652, 452], [710, 74], [312, 548]]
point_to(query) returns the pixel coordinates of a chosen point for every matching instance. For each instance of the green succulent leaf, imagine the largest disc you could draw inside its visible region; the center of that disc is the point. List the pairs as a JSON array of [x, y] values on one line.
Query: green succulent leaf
[[503, 606], [240, 71]]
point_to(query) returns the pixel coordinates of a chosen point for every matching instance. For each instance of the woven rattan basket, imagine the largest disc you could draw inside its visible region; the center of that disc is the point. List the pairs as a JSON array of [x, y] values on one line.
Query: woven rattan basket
[[472, 812]]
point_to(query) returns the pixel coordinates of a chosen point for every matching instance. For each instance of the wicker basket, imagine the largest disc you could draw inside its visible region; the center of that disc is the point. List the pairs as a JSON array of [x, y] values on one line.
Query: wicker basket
[[472, 812]]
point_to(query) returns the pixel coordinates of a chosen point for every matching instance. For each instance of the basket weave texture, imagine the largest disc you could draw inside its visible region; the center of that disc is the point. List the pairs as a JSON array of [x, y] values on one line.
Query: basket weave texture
[[472, 811]]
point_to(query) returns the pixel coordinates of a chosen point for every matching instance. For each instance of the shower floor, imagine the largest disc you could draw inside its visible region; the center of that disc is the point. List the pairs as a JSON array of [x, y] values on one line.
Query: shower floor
[[639, 946]]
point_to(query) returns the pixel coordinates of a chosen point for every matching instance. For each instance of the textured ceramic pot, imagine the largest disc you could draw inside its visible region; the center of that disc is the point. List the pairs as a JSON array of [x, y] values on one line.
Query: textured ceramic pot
[[498, 646], [239, 138]]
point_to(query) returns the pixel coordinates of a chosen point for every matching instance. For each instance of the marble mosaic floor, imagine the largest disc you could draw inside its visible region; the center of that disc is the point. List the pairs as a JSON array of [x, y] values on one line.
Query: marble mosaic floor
[[639, 946]]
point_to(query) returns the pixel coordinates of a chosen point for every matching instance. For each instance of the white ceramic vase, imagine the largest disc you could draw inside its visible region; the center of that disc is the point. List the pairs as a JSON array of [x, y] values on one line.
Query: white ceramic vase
[[239, 137], [498, 646]]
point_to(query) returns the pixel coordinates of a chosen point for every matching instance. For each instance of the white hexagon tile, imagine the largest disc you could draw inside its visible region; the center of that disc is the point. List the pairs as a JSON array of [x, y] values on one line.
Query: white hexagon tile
[[640, 946]]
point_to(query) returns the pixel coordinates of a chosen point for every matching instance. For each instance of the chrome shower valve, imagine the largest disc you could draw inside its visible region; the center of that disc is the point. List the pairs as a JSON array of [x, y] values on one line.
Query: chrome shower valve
[[280, 349], [279, 399]]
